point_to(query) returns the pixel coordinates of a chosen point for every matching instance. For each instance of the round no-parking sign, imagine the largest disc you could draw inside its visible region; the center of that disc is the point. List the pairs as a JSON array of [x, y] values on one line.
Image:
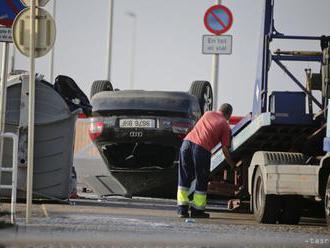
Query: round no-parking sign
[[218, 19]]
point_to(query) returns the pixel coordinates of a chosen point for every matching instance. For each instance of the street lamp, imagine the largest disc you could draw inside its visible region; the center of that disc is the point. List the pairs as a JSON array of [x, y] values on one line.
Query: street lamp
[[133, 49], [110, 40]]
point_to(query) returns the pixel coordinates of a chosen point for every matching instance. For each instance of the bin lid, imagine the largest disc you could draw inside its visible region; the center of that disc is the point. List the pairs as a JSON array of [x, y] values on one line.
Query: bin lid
[[49, 105]]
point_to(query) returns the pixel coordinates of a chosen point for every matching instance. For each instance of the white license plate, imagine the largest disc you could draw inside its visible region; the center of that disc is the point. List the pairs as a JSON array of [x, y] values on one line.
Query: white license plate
[[137, 123]]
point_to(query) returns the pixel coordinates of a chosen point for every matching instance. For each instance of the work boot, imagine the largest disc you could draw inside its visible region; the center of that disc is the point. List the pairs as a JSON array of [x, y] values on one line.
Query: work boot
[[196, 213], [182, 211]]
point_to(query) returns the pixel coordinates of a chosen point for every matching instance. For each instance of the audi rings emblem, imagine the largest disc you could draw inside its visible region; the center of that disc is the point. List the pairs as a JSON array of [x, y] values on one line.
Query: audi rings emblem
[[136, 134]]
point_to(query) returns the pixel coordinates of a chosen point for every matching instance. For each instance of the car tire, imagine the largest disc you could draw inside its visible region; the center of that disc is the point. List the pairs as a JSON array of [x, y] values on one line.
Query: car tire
[[99, 86], [327, 202], [266, 208], [203, 91]]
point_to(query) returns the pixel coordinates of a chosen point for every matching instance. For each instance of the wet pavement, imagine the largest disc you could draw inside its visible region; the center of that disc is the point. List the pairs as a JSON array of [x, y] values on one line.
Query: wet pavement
[[151, 223], [146, 222]]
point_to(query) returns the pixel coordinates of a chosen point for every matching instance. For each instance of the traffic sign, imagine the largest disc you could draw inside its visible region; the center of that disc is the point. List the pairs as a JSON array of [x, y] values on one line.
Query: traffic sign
[[218, 19], [9, 10], [6, 35], [39, 3], [213, 44], [45, 35]]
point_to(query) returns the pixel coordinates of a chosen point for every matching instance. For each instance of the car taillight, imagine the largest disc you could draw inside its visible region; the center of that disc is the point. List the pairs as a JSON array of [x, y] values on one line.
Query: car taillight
[[82, 116], [181, 128], [96, 128]]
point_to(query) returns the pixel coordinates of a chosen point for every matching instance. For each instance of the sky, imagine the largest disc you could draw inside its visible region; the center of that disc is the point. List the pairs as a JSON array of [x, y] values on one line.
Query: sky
[[169, 42]]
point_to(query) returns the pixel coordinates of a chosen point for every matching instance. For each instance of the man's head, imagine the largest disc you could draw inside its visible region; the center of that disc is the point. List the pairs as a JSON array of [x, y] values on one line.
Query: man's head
[[227, 110]]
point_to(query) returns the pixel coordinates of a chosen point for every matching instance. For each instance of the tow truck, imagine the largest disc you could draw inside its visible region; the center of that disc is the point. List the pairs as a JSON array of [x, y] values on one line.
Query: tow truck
[[284, 143]]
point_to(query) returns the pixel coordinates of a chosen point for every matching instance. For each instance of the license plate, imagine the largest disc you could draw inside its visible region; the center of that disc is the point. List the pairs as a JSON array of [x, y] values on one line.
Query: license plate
[[137, 123]]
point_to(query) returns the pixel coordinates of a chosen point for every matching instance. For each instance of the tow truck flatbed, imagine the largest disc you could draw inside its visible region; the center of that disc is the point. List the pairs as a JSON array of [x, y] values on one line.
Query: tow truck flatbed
[[267, 132]]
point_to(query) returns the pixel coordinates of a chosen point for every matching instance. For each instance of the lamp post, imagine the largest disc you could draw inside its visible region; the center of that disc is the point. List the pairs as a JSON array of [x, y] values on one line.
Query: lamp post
[[133, 16], [110, 33]]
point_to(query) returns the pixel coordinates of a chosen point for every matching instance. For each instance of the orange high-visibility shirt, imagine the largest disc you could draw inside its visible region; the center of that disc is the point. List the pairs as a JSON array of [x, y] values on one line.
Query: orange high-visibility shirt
[[210, 129]]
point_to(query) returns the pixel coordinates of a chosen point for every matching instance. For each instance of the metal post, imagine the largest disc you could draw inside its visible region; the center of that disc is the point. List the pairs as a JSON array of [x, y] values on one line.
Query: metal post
[[133, 49], [13, 59], [31, 113], [4, 74], [3, 89], [52, 54], [215, 74], [14, 137], [109, 49]]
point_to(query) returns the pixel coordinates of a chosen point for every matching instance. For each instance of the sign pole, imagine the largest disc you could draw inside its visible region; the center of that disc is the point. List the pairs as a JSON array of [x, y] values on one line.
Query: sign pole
[[29, 191], [4, 72], [215, 74], [52, 54]]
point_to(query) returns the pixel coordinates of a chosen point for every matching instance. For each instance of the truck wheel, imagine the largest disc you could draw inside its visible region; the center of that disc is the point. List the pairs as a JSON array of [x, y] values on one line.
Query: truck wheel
[[266, 208], [203, 91], [100, 85], [327, 202], [291, 210]]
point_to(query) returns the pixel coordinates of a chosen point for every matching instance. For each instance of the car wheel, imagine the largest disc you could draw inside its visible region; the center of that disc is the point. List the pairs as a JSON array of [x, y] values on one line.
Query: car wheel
[[100, 85], [327, 202], [266, 208], [203, 91]]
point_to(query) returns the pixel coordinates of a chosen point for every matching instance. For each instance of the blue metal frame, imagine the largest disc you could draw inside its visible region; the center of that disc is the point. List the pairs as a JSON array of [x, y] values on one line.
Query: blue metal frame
[[261, 84], [265, 57], [261, 116], [296, 81], [296, 58]]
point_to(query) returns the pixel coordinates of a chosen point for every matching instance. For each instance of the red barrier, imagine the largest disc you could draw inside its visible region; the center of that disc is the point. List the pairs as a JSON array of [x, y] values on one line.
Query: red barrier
[[235, 119]]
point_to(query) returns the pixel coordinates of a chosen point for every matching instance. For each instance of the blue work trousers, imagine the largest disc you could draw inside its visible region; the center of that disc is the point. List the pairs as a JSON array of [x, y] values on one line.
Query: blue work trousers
[[194, 163]]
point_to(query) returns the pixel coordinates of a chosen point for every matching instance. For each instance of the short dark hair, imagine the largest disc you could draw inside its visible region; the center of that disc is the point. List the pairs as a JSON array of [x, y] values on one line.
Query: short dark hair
[[226, 109]]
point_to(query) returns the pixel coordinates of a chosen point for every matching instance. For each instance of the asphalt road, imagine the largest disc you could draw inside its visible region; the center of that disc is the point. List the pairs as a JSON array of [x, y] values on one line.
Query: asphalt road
[[117, 222], [143, 222]]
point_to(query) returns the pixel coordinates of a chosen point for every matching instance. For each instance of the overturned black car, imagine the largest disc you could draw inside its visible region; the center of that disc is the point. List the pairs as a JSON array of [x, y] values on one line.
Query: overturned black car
[[138, 133]]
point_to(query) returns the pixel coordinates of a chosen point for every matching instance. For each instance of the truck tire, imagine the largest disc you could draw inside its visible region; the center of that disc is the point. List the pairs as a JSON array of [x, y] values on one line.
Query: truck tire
[[203, 91], [291, 210], [327, 202], [100, 85], [266, 208]]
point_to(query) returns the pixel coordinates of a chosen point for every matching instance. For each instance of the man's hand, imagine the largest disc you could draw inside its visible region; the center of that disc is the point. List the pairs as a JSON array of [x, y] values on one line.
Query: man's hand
[[236, 166], [228, 157]]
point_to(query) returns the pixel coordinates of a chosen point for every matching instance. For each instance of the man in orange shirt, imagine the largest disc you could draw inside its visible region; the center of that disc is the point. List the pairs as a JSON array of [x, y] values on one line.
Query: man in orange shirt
[[195, 158]]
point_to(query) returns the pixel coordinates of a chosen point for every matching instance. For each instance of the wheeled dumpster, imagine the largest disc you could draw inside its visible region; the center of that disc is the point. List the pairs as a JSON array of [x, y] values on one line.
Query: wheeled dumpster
[[54, 137]]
